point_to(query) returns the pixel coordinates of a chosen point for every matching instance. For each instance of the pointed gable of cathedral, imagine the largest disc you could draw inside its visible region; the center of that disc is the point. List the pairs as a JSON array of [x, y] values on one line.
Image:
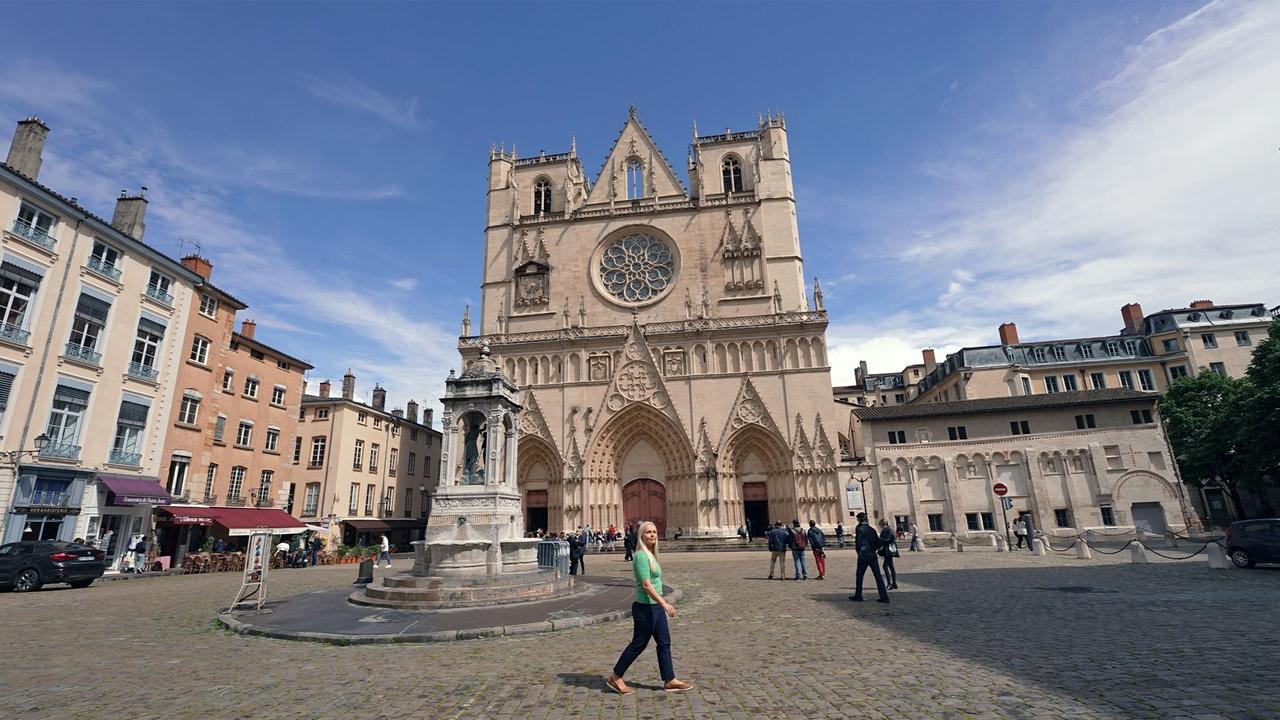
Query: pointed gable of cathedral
[[749, 409], [705, 450], [634, 143], [532, 421], [800, 447], [823, 454], [637, 380]]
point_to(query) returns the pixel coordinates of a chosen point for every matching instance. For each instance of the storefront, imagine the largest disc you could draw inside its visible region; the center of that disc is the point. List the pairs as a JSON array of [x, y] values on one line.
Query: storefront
[[181, 529], [234, 524], [117, 514], [46, 504], [400, 532]]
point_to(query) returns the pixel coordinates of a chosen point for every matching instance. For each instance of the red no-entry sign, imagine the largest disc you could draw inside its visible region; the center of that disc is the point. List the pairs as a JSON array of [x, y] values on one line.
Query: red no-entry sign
[[1000, 489]]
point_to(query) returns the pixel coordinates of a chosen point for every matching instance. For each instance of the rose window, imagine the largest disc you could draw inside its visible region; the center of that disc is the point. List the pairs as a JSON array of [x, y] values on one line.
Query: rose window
[[637, 268]]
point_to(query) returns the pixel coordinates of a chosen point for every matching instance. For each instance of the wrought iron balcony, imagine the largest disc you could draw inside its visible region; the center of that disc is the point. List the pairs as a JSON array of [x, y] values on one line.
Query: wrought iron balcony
[[210, 500], [33, 234], [49, 498], [235, 501], [156, 293], [143, 372], [13, 334], [60, 451], [98, 266], [131, 459], [265, 502], [76, 351]]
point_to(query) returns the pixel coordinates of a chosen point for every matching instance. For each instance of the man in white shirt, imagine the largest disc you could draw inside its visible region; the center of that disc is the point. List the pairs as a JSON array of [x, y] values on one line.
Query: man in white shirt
[[385, 553]]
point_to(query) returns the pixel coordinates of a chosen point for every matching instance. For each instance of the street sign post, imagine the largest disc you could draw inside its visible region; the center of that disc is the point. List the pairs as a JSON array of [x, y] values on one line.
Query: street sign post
[[1000, 490]]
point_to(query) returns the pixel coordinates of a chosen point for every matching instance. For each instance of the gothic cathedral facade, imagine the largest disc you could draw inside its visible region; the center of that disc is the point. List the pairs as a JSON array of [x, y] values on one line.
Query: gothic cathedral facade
[[671, 363]]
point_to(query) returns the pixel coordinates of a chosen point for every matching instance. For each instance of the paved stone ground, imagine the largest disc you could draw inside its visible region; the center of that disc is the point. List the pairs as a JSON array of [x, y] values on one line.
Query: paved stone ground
[[972, 635]]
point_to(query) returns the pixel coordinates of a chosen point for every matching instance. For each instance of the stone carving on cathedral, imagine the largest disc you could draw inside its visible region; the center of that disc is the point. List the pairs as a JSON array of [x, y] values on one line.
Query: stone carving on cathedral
[[532, 421], [800, 447], [741, 257], [822, 451], [749, 409], [706, 452], [673, 362], [638, 380], [598, 367]]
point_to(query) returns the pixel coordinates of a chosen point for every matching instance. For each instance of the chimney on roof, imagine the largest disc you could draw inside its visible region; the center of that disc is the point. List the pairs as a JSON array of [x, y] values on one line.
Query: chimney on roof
[[398, 413], [1132, 316], [379, 398], [1201, 304], [860, 375], [130, 209], [426, 416], [247, 327], [198, 265], [348, 386], [324, 389], [1009, 334], [411, 410], [27, 146], [930, 360]]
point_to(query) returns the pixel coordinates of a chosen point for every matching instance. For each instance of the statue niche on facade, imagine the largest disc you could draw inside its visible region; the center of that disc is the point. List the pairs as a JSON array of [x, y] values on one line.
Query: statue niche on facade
[[473, 455]]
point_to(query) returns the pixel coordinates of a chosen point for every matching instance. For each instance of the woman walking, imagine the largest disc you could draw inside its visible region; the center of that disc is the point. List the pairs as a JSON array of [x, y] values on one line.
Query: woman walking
[[649, 614], [889, 549]]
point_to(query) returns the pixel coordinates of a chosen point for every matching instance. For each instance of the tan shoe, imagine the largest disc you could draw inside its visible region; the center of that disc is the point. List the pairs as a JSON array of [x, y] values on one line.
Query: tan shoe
[[617, 685], [677, 686]]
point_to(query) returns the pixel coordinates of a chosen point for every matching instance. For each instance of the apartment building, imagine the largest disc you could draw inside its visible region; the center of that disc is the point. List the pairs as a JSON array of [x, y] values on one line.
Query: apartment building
[[368, 470], [91, 344]]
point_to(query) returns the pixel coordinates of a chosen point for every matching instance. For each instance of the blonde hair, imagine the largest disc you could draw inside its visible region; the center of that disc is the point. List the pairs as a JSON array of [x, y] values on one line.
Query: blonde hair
[[653, 551]]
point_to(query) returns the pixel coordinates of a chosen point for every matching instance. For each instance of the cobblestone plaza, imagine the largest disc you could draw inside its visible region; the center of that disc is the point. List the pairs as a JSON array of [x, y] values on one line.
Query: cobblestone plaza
[[972, 635]]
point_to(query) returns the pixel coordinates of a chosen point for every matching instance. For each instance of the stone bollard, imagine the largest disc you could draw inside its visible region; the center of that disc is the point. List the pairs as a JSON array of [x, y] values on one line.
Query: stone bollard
[[1002, 545], [1138, 554], [1082, 550], [1038, 546], [1218, 559], [994, 544], [952, 540], [959, 546]]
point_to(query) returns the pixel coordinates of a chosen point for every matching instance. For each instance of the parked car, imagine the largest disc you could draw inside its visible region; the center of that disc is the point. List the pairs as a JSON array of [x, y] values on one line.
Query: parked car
[[28, 564], [1253, 541]]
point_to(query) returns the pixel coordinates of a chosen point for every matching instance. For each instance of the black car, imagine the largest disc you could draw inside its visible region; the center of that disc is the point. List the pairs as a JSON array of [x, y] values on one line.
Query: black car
[[29, 564], [1253, 541]]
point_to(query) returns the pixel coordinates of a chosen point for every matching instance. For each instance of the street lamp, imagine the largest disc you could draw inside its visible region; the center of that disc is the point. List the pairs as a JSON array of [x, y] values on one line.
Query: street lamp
[[13, 457]]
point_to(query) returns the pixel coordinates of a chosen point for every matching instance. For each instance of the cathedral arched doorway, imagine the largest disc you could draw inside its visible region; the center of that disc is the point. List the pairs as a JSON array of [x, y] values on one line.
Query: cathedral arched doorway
[[759, 488], [645, 499], [537, 474], [755, 507], [640, 443]]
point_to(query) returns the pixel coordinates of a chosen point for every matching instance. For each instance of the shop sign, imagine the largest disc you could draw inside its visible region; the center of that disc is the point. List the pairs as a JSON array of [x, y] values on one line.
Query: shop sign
[[257, 560], [45, 510]]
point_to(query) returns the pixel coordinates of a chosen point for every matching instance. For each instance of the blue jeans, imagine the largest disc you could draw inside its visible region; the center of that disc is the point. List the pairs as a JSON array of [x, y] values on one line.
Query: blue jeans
[[797, 557], [650, 621], [868, 561], [384, 555]]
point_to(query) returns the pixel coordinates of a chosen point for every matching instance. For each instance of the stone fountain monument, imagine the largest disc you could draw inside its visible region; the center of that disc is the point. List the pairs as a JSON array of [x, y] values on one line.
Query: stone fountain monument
[[475, 552]]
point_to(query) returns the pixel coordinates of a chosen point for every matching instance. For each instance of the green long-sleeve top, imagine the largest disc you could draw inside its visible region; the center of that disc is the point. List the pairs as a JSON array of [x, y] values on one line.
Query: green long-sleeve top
[[646, 567]]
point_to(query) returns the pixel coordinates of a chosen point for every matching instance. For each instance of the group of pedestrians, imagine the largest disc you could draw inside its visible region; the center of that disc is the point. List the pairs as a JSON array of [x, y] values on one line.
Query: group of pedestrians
[[797, 540], [603, 540]]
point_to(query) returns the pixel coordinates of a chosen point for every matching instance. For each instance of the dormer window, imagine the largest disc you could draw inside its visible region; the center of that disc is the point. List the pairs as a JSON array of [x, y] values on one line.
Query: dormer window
[[731, 174], [635, 179], [1039, 354], [1060, 354], [542, 196]]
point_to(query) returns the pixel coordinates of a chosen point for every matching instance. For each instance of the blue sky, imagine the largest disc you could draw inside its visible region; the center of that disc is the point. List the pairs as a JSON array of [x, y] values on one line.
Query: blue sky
[[956, 165]]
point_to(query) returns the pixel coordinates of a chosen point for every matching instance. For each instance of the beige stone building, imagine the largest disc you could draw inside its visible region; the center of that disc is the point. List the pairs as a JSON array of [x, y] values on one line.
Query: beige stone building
[[234, 420], [365, 470], [1074, 461], [91, 346], [672, 365]]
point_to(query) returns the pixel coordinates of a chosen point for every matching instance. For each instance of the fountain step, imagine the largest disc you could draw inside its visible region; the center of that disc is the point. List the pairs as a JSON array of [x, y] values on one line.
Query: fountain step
[[434, 593]]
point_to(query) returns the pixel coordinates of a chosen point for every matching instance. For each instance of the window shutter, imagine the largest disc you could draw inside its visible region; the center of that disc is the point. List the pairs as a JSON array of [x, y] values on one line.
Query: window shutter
[[151, 326], [71, 395], [19, 273], [133, 414], [6, 385], [219, 428], [93, 309]]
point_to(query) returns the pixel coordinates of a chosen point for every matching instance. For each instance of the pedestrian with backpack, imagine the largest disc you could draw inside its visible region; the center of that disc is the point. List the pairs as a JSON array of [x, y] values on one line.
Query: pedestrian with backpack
[[818, 542], [798, 542], [866, 541]]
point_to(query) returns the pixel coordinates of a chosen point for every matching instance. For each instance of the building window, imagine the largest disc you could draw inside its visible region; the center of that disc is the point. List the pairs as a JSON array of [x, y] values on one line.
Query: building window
[[1171, 345], [1108, 515], [413, 434], [228, 376], [377, 422], [731, 174], [1141, 417], [388, 503], [209, 478], [988, 521], [199, 350], [273, 440], [1177, 371], [282, 365], [312, 500], [635, 179], [1126, 379], [1051, 384], [897, 437], [1131, 346], [264, 486], [1242, 337], [362, 418], [126, 448], [1069, 383], [1086, 351], [353, 499], [159, 287], [146, 346], [297, 450], [220, 429], [408, 502], [373, 457], [1062, 517], [208, 306], [1156, 460], [1219, 368], [17, 288], [35, 224], [178, 466], [935, 522], [189, 411], [542, 196], [392, 457], [1040, 354], [322, 413], [413, 458], [1112, 454], [317, 451], [1085, 421], [395, 431], [1209, 339], [1019, 427], [357, 458], [251, 387], [277, 395], [86, 328], [1060, 354], [899, 398], [368, 499], [1145, 381], [65, 420], [244, 434], [105, 260], [971, 519], [958, 432], [1113, 348], [1098, 380], [1026, 386]]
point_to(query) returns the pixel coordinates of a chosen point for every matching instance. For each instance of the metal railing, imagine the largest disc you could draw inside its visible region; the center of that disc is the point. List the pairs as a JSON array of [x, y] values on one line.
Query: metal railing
[[76, 351], [13, 334], [49, 498], [156, 293], [60, 451], [119, 457], [143, 372], [33, 234], [102, 268], [235, 501]]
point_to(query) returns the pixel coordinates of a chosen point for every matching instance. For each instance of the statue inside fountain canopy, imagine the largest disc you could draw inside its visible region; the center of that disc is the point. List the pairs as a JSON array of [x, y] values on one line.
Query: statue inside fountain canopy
[[475, 439]]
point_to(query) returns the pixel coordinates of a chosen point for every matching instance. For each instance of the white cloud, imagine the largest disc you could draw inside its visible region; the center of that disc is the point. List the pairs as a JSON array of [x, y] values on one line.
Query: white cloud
[[352, 93], [1167, 192], [405, 283]]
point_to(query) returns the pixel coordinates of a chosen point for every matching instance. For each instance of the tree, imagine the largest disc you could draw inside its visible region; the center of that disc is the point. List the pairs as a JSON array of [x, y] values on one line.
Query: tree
[[1262, 416], [1202, 415]]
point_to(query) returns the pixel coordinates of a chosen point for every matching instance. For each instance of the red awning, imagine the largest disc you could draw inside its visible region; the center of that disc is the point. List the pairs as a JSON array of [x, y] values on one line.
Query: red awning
[[185, 515], [243, 521]]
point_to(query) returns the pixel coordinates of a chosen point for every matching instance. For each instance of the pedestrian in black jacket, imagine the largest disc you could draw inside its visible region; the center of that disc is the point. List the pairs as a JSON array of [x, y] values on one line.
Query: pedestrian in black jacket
[[866, 541], [779, 538]]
